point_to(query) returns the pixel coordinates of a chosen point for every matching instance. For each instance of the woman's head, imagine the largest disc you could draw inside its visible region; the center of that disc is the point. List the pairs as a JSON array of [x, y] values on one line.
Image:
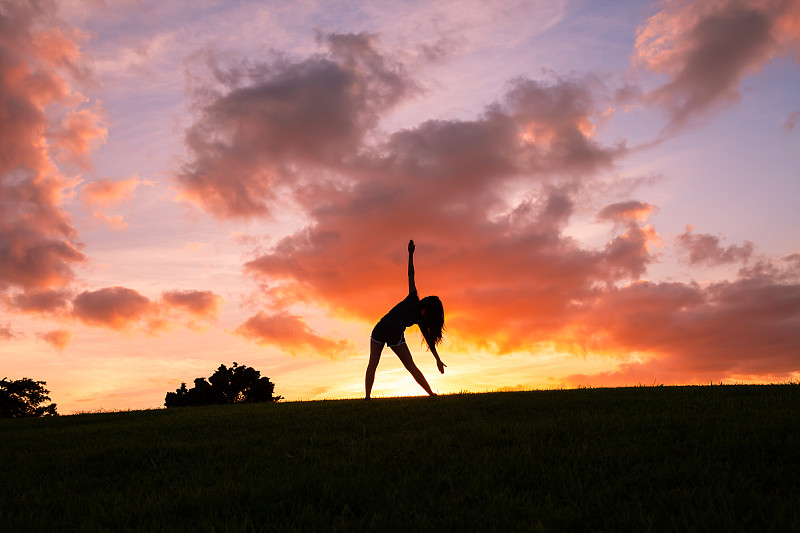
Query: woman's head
[[432, 322]]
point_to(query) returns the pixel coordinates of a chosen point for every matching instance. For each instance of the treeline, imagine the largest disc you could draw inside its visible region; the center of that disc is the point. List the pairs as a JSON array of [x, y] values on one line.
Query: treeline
[[237, 384], [23, 398]]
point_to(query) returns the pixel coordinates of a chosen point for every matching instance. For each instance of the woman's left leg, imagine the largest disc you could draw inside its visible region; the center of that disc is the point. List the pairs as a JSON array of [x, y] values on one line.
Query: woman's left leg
[[404, 354], [375, 349]]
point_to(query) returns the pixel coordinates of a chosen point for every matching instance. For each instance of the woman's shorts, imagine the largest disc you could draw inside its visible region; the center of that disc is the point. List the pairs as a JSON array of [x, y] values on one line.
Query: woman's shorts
[[388, 334]]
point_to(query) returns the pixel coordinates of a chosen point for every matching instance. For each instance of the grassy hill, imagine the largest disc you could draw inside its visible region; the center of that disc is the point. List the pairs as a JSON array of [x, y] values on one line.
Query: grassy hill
[[707, 458]]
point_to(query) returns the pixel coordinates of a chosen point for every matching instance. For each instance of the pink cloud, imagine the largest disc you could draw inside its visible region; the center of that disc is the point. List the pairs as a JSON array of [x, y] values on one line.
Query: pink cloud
[[702, 248], [116, 222], [106, 193], [38, 244]]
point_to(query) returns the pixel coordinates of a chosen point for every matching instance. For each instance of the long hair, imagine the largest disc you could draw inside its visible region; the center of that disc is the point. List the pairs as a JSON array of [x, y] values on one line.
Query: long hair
[[432, 323]]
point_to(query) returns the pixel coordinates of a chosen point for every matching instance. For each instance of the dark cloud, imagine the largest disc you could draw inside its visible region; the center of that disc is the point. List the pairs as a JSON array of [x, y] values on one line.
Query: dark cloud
[[791, 121], [706, 48], [41, 301], [705, 249], [558, 124], [34, 259], [122, 308], [113, 307], [247, 143], [203, 304]]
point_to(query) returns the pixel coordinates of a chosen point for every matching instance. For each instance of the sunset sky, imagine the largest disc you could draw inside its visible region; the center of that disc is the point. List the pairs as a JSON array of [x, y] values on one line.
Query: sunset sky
[[601, 193]]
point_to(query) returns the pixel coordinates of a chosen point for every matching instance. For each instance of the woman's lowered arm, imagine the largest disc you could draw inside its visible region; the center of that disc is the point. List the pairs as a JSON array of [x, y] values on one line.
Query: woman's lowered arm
[[432, 347], [439, 364]]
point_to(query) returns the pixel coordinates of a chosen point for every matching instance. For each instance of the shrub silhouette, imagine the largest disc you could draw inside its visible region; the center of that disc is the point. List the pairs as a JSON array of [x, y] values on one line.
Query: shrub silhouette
[[24, 398], [237, 384]]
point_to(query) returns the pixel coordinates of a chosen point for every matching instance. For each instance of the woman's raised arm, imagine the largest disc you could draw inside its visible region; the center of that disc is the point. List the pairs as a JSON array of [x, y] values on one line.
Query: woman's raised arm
[[411, 286]]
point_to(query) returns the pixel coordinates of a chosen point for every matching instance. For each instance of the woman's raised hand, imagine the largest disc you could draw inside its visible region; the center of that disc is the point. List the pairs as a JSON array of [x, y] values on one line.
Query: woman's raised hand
[[411, 246]]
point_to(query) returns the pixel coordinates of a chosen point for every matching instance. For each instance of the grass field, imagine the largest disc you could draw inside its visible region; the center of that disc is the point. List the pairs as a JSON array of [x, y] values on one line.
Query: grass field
[[713, 458]]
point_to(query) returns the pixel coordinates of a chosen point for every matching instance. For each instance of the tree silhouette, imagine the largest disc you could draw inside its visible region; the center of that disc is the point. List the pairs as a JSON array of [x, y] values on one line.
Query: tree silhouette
[[24, 398], [237, 384]]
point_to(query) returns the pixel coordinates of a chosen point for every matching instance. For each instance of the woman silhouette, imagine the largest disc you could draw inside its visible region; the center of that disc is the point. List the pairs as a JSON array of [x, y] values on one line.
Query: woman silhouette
[[428, 313]]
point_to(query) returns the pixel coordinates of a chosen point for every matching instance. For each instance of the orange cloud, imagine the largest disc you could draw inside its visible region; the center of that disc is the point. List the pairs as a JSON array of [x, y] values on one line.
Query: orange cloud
[[627, 211], [80, 130], [106, 193], [746, 327], [488, 202], [504, 269], [55, 46], [291, 333], [58, 338]]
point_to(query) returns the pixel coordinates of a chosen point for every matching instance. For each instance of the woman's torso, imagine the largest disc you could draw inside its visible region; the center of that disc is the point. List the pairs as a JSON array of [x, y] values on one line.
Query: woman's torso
[[405, 313]]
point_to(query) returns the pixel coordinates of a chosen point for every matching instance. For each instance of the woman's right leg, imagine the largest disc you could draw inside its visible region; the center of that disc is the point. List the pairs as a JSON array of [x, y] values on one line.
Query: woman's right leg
[[375, 349], [404, 354]]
